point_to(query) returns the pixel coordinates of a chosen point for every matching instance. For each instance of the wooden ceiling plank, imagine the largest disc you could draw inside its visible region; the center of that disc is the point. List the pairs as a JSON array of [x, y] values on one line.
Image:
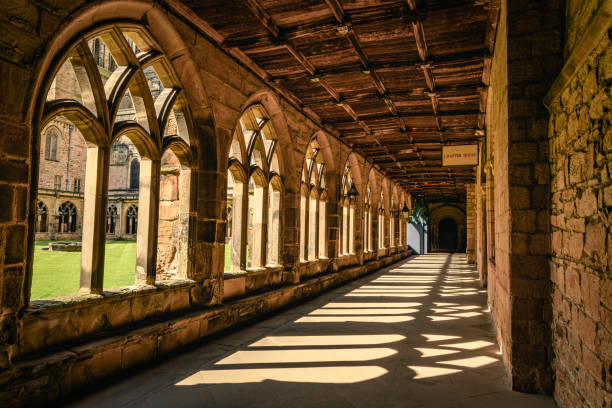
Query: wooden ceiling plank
[[262, 15], [337, 10]]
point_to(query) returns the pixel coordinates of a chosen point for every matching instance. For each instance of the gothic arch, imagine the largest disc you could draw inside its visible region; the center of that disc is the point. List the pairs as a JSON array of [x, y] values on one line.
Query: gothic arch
[[353, 161], [284, 148], [164, 34], [95, 116], [439, 214]]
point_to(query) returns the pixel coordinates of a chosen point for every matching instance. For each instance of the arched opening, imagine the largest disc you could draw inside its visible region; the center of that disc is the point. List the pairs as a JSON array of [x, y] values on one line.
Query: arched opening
[[447, 235], [254, 190], [41, 217], [67, 221], [111, 219], [51, 144], [347, 213], [313, 206], [131, 220], [112, 111]]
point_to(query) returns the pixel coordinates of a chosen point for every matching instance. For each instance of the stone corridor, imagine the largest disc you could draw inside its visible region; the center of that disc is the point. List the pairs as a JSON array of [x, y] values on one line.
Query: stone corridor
[[415, 334]]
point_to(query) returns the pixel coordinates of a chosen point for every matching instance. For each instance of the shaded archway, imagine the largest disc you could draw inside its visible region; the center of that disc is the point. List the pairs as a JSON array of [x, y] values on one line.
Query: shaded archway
[[447, 235], [440, 230]]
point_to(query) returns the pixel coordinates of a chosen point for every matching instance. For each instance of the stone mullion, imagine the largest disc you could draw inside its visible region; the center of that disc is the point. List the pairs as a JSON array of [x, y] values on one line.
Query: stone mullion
[[314, 239], [322, 225], [351, 229], [306, 226], [239, 244], [396, 232], [260, 226], [148, 215], [94, 219], [333, 223], [343, 229]]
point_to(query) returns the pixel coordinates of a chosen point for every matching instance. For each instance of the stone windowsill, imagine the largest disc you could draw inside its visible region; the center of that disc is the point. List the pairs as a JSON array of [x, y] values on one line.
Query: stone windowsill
[[79, 299], [311, 261], [252, 271]]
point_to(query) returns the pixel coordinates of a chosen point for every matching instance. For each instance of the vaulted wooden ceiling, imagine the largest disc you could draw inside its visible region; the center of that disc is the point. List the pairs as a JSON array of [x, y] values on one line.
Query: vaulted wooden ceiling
[[395, 79]]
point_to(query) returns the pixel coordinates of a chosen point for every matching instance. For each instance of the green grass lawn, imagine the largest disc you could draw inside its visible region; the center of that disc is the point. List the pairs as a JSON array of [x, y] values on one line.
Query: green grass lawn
[[228, 258], [58, 273]]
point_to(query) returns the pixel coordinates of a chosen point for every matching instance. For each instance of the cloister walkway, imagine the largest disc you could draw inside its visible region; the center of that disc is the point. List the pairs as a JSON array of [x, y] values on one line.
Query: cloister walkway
[[416, 334]]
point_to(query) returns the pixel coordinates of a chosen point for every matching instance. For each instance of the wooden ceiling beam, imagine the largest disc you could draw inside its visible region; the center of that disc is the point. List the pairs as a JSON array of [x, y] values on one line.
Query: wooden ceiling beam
[[337, 10], [266, 20], [454, 115], [459, 58], [262, 15]]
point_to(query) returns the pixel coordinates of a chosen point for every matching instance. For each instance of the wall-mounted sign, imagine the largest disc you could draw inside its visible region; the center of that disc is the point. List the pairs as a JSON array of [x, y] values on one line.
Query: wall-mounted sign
[[461, 155]]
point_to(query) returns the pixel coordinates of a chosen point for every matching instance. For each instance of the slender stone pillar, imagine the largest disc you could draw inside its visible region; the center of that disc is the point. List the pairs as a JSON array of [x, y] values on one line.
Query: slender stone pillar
[[148, 209], [94, 221]]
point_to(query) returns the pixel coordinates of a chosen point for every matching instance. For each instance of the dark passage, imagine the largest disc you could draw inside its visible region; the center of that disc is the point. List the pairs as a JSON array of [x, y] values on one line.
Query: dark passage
[[447, 238]]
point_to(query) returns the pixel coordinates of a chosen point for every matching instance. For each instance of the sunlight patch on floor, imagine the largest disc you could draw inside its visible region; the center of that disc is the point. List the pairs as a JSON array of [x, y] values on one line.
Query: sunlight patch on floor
[[428, 372], [358, 319], [340, 340], [471, 362], [305, 356], [320, 375]]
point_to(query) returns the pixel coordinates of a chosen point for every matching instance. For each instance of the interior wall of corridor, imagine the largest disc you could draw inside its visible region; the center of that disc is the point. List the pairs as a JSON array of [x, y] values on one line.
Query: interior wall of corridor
[[542, 228]]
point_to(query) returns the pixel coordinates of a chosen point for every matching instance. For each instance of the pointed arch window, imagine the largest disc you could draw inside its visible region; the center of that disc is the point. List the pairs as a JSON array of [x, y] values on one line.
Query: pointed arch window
[[51, 144], [41, 217], [67, 221], [134, 174], [347, 213], [381, 222], [254, 194], [99, 86], [392, 225], [111, 219], [367, 221], [313, 205], [131, 220]]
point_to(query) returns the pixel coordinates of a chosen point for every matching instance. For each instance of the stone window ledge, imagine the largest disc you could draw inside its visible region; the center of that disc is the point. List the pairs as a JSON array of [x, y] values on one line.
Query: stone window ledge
[[49, 322], [243, 283], [76, 300], [252, 272], [311, 261]]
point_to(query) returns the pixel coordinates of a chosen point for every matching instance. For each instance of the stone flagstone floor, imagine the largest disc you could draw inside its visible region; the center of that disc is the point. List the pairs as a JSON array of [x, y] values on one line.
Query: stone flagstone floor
[[416, 334]]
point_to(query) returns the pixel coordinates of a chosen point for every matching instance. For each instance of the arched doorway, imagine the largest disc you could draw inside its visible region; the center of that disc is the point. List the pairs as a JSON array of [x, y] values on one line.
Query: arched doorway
[[447, 235]]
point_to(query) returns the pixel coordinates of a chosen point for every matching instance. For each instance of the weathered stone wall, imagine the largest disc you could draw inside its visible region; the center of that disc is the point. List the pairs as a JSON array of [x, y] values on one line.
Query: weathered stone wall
[[527, 58], [581, 152], [470, 215], [496, 124], [534, 59], [67, 135]]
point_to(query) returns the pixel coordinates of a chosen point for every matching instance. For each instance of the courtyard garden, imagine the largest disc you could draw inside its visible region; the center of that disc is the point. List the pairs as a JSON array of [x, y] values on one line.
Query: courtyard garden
[[57, 273]]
